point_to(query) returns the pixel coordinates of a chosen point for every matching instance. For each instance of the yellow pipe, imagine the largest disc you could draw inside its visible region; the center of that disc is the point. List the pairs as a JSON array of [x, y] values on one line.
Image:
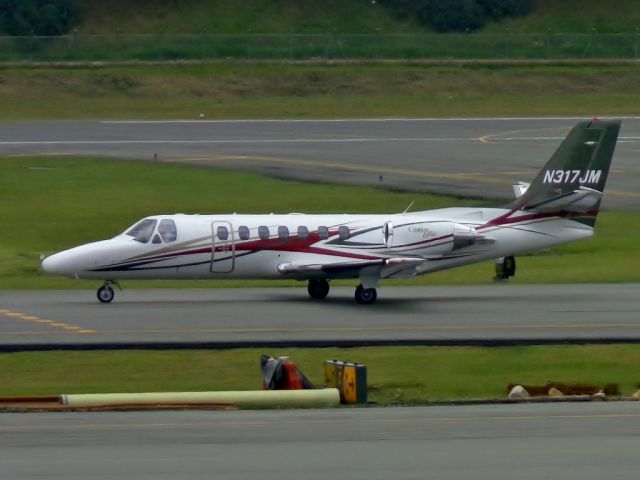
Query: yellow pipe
[[259, 398]]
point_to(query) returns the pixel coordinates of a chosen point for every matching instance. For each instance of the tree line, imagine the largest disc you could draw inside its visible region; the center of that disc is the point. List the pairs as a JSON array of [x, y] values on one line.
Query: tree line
[[58, 17]]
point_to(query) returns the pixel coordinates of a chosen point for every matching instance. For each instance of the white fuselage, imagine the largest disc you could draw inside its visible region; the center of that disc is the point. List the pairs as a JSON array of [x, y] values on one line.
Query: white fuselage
[[313, 246]]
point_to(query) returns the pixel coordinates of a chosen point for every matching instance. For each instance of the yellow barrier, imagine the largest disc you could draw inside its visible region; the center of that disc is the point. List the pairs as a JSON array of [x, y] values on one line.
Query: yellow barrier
[[349, 378]]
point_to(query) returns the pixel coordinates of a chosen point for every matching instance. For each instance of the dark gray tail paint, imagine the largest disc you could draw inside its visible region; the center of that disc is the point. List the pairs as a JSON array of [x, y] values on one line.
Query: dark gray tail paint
[[582, 160]]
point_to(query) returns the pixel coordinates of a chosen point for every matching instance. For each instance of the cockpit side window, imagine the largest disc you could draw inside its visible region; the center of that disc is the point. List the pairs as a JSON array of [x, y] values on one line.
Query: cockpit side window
[[142, 231], [167, 230]]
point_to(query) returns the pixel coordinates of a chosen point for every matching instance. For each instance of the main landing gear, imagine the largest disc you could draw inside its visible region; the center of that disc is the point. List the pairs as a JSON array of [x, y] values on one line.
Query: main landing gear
[[318, 288], [366, 296], [505, 268], [105, 293]]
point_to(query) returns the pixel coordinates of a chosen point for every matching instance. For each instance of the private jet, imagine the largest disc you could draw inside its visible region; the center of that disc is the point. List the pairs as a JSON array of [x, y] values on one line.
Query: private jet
[[560, 205]]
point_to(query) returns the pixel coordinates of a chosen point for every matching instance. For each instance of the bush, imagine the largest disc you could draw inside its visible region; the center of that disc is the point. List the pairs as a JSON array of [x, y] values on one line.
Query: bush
[[461, 15], [38, 17]]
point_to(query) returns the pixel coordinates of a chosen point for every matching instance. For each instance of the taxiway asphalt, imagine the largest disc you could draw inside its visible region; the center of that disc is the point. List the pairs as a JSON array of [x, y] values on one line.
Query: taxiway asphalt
[[222, 317], [465, 157], [534, 441]]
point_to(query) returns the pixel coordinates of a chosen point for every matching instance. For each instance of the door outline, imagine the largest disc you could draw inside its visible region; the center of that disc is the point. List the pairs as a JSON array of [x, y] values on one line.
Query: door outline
[[220, 261]]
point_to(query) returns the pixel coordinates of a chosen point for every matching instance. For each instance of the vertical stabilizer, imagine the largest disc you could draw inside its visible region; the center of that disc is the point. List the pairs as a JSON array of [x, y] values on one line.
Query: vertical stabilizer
[[574, 178]]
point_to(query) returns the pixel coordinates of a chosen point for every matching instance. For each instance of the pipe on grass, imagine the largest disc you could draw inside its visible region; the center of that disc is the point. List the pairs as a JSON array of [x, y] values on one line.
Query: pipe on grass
[[260, 398]]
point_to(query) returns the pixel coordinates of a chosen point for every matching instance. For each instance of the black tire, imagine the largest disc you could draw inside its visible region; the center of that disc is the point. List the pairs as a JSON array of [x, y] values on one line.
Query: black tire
[[105, 294], [509, 267], [318, 288], [366, 296]]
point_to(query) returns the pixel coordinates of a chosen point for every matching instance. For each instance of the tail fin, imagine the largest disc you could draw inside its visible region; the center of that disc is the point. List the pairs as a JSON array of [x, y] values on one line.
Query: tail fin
[[574, 177]]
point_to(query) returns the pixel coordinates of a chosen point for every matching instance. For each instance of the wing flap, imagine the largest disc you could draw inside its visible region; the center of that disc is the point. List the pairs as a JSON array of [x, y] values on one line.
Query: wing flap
[[385, 267]]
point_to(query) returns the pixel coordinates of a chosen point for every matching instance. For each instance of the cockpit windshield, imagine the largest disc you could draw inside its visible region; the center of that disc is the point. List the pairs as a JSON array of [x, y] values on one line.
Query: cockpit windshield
[[142, 231]]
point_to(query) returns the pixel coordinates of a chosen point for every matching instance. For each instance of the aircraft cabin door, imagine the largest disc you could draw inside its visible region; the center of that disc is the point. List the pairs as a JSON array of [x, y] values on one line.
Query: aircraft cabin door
[[223, 247]]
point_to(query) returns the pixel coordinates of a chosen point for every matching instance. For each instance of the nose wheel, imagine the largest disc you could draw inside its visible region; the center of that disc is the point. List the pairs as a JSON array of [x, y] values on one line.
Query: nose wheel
[[106, 293], [366, 296], [318, 288]]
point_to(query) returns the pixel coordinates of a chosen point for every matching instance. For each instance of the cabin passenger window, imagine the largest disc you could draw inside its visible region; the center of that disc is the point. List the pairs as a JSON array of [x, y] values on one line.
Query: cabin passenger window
[[343, 231], [143, 230], [263, 232], [167, 230], [283, 233], [243, 233], [223, 233], [323, 233], [303, 232]]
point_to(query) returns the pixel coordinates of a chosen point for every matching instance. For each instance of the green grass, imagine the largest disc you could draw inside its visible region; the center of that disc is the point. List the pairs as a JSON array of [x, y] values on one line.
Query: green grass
[[399, 375], [275, 90], [52, 203]]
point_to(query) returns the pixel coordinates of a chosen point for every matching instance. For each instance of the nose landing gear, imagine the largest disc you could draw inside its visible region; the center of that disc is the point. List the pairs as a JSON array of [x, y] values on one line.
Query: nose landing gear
[[105, 293]]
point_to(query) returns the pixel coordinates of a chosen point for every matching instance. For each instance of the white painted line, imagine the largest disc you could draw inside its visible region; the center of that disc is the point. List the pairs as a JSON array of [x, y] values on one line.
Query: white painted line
[[347, 120], [272, 140], [492, 139], [289, 140]]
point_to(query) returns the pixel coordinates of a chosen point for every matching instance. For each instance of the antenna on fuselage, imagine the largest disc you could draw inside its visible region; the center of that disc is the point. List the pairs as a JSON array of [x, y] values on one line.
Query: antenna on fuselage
[[410, 205]]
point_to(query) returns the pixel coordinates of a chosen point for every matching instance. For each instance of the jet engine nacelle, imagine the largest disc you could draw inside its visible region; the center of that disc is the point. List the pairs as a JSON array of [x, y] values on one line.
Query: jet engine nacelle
[[433, 238]]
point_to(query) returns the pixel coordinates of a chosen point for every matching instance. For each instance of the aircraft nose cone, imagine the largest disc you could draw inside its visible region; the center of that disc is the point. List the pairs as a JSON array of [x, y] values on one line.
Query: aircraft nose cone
[[54, 265]]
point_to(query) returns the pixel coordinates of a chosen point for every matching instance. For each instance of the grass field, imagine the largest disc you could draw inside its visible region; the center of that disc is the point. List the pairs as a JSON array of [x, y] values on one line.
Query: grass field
[[276, 90], [398, 375], [58, 202]]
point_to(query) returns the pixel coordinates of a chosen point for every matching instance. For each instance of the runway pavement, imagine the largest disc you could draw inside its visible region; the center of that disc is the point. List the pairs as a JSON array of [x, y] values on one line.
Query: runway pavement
[[536, 441], [466, 157], [286, 316]]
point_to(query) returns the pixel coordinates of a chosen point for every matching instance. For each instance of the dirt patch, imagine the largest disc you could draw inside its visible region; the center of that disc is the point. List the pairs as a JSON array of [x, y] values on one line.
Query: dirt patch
[[117, 82]]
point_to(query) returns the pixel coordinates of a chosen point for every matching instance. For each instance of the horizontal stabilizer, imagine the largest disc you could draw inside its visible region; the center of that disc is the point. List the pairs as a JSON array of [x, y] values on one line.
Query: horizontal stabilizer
[[581, 200], [519, 188]]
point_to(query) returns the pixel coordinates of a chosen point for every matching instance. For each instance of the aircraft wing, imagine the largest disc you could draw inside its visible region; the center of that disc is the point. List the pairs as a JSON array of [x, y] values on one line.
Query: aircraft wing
[[384, 268], [581, 200]]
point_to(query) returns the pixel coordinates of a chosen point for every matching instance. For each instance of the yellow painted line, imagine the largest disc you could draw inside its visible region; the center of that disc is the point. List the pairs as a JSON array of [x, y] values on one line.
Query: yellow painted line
[[477, 177], [352, 168], [405, 328], [49, 154], [496, 136], [617, 193], [304, 422], [49, 323]]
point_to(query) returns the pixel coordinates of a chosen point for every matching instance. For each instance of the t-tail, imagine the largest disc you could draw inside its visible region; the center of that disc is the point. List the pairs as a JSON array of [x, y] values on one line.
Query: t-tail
[[572, 182]]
